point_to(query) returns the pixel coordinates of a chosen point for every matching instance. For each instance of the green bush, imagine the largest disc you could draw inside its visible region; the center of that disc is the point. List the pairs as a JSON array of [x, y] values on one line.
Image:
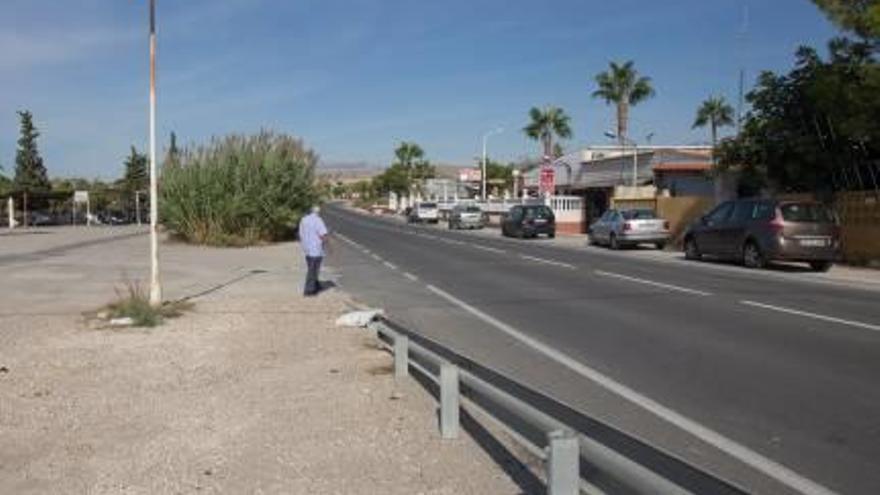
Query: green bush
[[238, 190]]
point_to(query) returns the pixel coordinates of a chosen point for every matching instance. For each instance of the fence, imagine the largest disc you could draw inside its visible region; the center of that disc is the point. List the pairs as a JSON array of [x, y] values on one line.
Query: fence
[[579, 452], [859, 225]]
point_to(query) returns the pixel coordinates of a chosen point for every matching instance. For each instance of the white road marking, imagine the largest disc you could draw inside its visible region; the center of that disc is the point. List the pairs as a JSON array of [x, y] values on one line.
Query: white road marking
[[652, 283], [453, 241], [411, 276], [547, 262], [390, 265], [376, 257], [757, 461], [831, 319], [487, 248]]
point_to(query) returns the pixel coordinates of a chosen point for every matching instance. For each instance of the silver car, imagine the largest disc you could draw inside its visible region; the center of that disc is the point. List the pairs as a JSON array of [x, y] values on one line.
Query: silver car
[[620, 228], [466, 217]]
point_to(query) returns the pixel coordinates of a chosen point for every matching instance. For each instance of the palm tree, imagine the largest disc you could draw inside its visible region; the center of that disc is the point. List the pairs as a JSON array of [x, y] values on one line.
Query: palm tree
[[714, 112], [621, 85], [546, 124]]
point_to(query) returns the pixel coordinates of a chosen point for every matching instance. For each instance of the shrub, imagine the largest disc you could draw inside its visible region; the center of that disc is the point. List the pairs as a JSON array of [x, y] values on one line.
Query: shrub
[[132, 302], [238, 190]]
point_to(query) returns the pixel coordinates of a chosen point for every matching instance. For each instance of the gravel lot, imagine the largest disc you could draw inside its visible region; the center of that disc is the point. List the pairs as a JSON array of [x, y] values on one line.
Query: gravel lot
[[255, 391]]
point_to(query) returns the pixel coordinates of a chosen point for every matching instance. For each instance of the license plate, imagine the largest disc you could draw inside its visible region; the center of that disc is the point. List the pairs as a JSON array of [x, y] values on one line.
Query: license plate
[[813, 242], [540, 220]]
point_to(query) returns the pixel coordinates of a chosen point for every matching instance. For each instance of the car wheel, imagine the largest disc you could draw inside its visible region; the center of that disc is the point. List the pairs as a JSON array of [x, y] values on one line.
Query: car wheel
[[691, 250], [613, 243], [752, 256], [551, 235], [661, 246], [820, 266]]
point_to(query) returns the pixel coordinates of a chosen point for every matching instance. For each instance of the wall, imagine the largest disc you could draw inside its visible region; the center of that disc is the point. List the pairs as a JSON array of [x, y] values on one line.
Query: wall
[[860, 226], [681, 211]]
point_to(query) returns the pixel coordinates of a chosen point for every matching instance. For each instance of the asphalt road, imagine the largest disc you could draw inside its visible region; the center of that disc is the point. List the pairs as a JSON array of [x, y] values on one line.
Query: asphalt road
[[769, 382]]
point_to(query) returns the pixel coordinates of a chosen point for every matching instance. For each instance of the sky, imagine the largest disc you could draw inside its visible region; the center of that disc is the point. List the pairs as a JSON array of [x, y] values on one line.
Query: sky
[[354, 77]]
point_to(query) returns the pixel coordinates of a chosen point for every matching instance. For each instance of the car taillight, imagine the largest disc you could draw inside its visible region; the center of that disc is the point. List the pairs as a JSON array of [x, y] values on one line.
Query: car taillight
[[627, 227]]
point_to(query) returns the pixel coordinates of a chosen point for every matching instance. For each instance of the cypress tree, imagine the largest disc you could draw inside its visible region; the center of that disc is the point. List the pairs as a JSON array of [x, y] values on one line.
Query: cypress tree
[[30, 173]]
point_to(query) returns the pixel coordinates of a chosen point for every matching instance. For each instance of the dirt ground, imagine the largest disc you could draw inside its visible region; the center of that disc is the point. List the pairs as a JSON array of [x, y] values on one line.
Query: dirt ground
[[255, 391]]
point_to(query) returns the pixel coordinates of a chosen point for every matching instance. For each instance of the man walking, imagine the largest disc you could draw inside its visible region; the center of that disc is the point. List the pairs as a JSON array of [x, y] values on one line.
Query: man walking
[[312, 232]]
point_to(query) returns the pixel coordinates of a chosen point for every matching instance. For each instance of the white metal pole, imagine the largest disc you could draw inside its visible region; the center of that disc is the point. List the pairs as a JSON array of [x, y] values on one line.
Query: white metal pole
[[88, 212], [483, 174], [137, 207], [155, 286], [10, 208], [635, 164]]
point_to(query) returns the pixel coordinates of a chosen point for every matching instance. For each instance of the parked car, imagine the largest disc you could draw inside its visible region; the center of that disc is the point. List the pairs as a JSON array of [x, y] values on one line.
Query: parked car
[[424, 212], [465, 216], [39, 219], [529, 221], [757, 231], [629, 227]]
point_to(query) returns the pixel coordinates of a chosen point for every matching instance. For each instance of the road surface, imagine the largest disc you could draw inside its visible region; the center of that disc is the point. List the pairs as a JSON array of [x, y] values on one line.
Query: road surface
[[768, 381]]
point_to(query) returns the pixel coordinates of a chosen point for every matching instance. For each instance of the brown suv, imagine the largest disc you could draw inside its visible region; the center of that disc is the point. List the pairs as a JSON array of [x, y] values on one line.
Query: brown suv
[[760, 230]]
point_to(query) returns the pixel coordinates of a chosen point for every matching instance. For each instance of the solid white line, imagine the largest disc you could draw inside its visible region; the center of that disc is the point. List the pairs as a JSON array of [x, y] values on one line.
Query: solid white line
[[763, 464], [831, 319], [489, 249], [652, 283], [411, 276], [376, 257], [547, 262], [390, 265]]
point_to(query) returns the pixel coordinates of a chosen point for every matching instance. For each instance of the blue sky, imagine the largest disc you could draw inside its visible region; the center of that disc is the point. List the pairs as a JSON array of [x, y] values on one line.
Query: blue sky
[[353, 77]]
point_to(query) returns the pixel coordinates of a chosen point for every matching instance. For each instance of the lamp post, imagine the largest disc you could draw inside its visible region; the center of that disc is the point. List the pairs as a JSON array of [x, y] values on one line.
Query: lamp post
[[626, 140], [155, 285], [483, 174], [515, 183]]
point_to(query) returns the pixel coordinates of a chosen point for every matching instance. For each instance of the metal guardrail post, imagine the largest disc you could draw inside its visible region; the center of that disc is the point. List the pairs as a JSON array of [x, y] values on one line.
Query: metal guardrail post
[[563, 463], [401, 356], [449, 401]]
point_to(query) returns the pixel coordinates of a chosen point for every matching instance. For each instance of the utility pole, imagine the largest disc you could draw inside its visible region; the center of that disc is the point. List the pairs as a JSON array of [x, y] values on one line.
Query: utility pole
[[155, 285], [483, 174]]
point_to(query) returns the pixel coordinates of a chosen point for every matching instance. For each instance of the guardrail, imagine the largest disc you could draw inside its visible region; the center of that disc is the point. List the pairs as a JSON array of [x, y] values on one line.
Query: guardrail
[[580, 453]]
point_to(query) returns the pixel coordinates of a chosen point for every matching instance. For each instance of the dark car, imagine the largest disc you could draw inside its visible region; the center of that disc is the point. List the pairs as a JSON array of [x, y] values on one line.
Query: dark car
[[529, 221], [757, 231]]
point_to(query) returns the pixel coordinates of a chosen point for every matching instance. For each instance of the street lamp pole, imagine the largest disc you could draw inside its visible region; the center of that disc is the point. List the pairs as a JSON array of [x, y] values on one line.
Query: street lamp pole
[[155, 285], [626, 141], [483, 174]]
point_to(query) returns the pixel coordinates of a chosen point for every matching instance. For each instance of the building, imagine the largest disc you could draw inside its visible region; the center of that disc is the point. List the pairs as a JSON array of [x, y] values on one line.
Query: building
[[600, 174]]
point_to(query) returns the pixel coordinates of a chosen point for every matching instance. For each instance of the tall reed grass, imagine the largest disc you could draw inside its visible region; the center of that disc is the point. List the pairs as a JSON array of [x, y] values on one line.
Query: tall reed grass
[[238, 190]]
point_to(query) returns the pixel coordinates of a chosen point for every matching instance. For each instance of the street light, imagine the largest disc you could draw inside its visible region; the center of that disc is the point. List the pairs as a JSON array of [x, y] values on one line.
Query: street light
[[483, 175], [516, 173], [155, 285], [626, 140]]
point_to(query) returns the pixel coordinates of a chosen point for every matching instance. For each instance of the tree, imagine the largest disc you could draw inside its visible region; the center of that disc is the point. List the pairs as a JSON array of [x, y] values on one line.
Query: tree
[[409, 169], [814, 129], [715, 112], [172, 158], [136, 177], [547, 124], [622, 86], [859, 16], [30, 173]]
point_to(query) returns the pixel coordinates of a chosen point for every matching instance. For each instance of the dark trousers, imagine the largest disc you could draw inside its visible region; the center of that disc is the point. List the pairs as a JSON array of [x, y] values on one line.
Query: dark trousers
[[312, 285]]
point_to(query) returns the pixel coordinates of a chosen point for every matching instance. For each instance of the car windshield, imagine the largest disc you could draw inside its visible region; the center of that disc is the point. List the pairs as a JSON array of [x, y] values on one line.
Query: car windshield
[[639, 215], [428, 205], [472, 209], [539, 212], [806, 212]]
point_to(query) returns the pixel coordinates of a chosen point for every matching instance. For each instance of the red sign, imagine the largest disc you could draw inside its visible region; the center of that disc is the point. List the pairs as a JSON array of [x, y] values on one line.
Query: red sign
[[548, 180]]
